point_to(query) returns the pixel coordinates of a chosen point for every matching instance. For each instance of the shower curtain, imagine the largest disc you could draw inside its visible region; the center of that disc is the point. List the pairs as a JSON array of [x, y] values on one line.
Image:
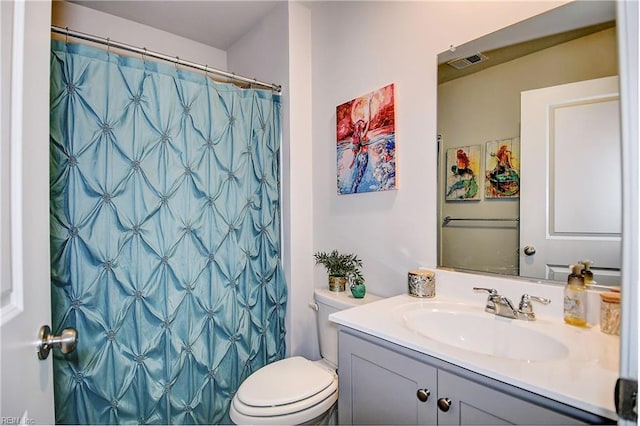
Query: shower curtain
[[165, 238]]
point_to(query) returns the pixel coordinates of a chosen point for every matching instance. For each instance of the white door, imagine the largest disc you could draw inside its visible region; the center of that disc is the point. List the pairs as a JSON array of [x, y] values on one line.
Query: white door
[[571, 198], [27, 383]]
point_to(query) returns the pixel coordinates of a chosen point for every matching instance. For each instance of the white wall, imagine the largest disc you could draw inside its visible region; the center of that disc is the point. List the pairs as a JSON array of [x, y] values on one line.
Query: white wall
[[299, 200], [332, 53], [262, 52], [86, 20], [358, 47], [277, 50]]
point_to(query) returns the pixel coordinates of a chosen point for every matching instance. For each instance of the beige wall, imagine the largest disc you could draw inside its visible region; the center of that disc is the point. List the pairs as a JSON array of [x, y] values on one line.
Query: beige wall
[[485, 106]]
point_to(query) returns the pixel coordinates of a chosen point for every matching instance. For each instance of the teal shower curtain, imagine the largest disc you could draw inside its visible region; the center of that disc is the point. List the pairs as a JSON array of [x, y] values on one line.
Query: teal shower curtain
[[165, 238]]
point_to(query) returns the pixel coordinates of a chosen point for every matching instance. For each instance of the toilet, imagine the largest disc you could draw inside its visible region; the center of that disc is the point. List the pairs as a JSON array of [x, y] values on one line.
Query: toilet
[[295, 390]]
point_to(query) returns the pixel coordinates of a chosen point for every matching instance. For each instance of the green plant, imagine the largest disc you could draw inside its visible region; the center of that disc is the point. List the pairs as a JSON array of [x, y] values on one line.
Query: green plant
[[340, 265]]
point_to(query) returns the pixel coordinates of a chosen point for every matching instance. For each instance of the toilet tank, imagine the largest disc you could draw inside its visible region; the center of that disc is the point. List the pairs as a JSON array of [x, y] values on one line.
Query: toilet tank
[[329, 302]]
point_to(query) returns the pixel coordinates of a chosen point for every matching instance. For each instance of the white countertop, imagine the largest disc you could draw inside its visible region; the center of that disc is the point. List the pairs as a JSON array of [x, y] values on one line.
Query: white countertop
[[585, 378]]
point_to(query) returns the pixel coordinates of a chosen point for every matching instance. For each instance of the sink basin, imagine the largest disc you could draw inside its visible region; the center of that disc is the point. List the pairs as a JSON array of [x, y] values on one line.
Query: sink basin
[[477, 331]]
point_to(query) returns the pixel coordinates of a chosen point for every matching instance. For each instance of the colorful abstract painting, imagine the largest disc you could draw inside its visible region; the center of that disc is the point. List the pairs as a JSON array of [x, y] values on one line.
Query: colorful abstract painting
[[463, 168], [502, 169], [366, 143]]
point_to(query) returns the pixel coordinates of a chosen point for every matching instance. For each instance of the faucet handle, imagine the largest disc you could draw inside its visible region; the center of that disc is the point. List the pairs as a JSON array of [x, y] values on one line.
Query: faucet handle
[[491, 300], [525, 301], [491, 291], [526, 309]]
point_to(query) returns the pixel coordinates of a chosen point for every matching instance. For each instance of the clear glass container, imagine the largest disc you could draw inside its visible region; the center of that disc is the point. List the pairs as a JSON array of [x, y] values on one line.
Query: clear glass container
[[610, 313]]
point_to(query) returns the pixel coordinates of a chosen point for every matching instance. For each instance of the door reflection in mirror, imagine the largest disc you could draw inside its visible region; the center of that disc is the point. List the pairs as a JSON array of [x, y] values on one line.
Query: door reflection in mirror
[[482, 104]]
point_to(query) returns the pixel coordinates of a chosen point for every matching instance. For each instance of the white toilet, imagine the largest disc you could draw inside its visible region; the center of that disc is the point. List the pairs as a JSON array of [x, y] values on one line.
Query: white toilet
[[295, 390]]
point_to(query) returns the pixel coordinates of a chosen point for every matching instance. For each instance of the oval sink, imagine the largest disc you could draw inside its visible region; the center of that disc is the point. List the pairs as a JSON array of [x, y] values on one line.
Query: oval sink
[[480, 332]]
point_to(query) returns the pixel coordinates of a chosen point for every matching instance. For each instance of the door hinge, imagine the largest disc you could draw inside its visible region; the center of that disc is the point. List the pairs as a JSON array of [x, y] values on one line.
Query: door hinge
[[626, 397]]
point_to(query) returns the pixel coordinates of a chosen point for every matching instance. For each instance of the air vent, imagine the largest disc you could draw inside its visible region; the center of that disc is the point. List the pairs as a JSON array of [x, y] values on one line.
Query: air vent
[[461, 63]]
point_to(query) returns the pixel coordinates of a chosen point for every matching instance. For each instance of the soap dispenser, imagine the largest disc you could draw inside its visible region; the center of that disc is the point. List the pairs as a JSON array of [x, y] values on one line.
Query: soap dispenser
[[587, 274], [575, 298]]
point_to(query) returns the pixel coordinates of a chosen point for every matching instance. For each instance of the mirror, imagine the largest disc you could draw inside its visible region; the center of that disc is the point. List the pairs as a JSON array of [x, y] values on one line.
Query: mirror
[[515, 196]]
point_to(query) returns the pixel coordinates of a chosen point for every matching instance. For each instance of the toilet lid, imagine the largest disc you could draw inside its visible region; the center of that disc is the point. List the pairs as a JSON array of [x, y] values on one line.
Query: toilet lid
[[284, 382]]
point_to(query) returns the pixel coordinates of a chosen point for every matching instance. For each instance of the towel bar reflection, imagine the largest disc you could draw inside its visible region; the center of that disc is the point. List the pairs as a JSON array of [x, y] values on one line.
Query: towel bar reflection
[[448, 219]]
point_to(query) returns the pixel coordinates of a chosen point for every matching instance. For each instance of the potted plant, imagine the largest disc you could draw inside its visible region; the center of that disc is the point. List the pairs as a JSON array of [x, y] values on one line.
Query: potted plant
[[341, 267]]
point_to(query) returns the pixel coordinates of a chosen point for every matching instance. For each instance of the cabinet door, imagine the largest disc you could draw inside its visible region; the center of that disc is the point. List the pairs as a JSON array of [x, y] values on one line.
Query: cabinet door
[[475, 404], [380, 386]]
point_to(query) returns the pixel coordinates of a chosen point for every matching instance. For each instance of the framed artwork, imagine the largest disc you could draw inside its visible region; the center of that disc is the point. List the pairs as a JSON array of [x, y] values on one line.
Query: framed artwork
[[366, 143], [502, 169], [463, 168]]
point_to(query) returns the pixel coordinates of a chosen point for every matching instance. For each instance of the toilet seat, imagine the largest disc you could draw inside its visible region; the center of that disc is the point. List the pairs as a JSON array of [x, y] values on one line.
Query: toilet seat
[[289, 391], [284, 382]]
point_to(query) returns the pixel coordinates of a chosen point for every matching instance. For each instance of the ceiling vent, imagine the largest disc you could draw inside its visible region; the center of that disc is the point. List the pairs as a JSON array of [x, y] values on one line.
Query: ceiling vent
[[461, 63]]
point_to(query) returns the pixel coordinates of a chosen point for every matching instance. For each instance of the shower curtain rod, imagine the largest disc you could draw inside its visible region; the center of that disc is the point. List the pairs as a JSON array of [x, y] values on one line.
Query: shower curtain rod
[[175, 59]]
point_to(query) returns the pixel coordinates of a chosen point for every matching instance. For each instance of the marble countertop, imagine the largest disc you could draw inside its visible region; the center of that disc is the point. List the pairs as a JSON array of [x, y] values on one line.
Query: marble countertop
[[584, 378]]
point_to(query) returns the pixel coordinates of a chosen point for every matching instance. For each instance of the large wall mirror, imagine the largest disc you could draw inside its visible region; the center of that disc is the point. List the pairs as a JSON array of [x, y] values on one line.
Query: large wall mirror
[[529, 176]]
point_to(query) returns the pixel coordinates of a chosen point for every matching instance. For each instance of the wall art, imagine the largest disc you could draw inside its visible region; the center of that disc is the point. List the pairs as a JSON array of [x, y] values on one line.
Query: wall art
[[502, 169], [366, 143], [463, 168]]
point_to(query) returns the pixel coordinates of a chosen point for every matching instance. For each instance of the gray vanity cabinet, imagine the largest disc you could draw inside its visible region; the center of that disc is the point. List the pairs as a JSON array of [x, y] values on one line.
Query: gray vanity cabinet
[[383, 383], [382, 386], [475, 404]]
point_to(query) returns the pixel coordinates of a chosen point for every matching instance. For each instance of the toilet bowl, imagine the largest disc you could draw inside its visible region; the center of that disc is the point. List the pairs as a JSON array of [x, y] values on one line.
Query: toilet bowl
[[296, 390]]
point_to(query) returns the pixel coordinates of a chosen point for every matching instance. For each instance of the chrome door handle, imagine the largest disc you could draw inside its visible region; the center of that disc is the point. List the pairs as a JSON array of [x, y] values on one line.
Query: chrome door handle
[[529, 250], [46, 341]]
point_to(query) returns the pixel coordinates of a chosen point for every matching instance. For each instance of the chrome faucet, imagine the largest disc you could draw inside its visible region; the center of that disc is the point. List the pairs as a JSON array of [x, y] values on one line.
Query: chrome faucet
[[502, 306]]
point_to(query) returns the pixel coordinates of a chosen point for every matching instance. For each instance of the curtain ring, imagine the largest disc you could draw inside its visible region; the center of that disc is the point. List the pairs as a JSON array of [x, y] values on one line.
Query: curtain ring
[[66, 35], [108, 46], [176, 62], [144, 56]]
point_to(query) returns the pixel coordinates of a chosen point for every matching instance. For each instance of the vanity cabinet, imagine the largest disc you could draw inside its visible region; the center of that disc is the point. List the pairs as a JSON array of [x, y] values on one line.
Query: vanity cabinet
[[476, 404], [383, 383], [382, 386]]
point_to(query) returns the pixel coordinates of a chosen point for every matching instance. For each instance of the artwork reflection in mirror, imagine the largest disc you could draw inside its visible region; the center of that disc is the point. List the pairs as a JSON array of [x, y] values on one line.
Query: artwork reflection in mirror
[[480, 105], [463, 167], [502, 164]]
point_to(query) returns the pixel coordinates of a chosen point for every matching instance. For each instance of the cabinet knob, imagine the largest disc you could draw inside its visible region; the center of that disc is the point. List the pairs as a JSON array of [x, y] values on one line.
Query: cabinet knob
[[423, 394], [444, 404]]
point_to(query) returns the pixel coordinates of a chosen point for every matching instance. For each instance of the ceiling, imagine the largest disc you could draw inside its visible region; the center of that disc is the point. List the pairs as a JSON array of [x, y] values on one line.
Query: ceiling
[[568, 17], [559, 25], [215, 23], [220, 23]]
